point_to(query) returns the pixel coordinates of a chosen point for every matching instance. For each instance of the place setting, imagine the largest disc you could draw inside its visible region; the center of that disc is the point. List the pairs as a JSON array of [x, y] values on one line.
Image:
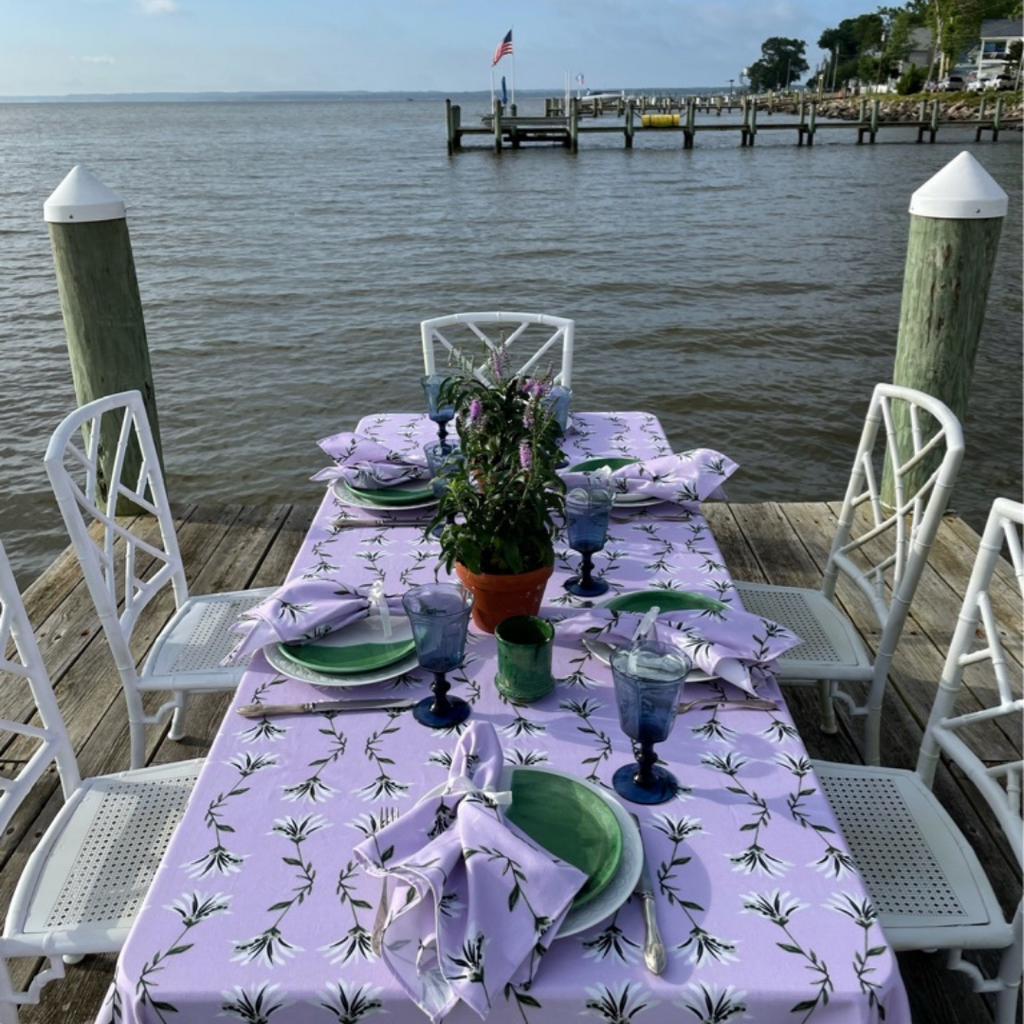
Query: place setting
[[317, 631], [578, 856], [679, 482], [371, 477]]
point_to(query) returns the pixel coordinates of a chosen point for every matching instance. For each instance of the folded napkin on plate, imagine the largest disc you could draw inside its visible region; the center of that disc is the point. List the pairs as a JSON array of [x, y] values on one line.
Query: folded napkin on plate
[[472, 901], [368, 464], [304, 609], [688, 477], [724, 643]]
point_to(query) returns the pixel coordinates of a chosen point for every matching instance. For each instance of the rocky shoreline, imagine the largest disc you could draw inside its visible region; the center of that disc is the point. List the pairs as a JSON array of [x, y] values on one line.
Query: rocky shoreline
[[909, 109]]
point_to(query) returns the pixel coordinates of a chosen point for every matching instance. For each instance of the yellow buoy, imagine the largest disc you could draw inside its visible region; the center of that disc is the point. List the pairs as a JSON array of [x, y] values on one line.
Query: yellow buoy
[[659, 120]]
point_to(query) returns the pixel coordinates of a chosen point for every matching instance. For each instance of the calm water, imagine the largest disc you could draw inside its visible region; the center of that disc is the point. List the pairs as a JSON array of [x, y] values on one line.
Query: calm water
[[287, 251]]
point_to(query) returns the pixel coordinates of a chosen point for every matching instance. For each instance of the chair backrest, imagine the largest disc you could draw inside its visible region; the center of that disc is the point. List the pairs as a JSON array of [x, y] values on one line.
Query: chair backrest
[[977, 642], [898, 491], [541, 343], [103, 452], [34, 745]]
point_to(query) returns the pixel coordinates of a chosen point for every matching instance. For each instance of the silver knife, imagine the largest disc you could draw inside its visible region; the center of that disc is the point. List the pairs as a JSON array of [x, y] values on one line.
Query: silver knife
[[368, 704], [654, 947]]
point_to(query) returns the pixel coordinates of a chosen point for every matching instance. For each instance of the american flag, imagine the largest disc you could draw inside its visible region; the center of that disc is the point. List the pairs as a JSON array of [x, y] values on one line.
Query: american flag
[[505, 46]]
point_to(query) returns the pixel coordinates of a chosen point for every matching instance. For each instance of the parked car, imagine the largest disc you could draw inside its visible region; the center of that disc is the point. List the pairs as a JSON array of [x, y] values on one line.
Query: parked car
[[1005, 83], [952, 83], [983, 83]]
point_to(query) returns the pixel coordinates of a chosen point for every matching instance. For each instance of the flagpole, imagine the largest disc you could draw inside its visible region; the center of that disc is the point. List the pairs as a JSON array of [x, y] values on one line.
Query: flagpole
[[512, 30], [492, 87]]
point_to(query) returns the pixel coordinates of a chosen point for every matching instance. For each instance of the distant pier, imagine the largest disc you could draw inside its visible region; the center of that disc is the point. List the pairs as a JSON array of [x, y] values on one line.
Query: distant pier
[[505, 128]]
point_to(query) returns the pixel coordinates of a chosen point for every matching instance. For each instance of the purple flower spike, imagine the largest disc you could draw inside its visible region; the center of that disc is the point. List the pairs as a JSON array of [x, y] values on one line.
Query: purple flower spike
[[525, 455], [476, 407]]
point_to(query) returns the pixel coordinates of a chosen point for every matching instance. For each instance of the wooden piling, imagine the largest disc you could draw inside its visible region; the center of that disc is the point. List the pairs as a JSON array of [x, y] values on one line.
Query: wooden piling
[[629, 129], [956, 219], [496, 123], [451, 123], [574, 125], [101, 306]]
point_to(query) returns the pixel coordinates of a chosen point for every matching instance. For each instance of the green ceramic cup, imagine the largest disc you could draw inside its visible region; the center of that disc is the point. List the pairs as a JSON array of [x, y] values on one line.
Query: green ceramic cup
[[524, 658]]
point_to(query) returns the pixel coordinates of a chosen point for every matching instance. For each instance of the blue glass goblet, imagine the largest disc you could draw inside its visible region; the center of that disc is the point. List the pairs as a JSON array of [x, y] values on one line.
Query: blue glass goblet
[[557, 401], [648, 676], [587, 510], [439, 614], [443, 458], [442, 415]]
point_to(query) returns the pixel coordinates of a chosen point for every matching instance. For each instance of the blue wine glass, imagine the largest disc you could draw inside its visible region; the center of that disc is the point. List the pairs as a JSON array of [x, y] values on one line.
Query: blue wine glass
[[557, 401], [648, 676], [439, 614], [443, 458], [587, 509], [442, 415]]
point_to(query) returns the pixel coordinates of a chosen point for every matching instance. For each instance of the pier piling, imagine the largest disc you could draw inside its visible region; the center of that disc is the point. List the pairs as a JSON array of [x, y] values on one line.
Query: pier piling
[[100, 303], [955, 223]]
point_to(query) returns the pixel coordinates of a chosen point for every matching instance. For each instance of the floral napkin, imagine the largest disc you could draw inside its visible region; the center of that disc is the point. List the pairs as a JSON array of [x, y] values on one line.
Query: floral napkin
[[686, 477], [726, 643], [305, 609], [368, 464], [473, 903]]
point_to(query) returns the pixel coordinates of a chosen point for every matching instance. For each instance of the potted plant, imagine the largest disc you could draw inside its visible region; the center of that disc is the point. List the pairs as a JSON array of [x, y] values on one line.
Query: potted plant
[[503, 493]]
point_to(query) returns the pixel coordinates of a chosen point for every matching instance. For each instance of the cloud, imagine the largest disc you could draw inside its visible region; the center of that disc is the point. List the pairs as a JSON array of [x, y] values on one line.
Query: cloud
[[158, 6], [96, 60]]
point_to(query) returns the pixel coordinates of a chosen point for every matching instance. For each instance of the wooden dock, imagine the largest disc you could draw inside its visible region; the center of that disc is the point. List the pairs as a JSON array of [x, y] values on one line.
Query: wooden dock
[[555, 126], [243, 546]]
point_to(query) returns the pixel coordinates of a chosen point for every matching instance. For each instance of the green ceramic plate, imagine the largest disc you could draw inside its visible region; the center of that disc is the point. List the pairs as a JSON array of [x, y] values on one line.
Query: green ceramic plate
[[400, 494], [361, 647], [666, 600], [571, 821], [593, 464]]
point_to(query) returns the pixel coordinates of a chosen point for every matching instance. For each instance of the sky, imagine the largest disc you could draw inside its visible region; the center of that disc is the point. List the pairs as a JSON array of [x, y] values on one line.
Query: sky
[[71, 47]]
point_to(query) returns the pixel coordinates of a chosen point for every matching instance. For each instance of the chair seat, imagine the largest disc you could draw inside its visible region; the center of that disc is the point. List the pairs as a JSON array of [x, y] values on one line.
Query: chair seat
[[831, 648], [87, 878], [189, 650], [925, 880]]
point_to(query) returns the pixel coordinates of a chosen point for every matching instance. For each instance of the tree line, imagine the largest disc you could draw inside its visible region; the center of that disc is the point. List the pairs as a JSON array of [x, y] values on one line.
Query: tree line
[[872, 48]]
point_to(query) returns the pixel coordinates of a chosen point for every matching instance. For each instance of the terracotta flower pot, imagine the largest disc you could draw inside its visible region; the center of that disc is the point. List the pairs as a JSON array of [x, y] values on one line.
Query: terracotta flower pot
[[498, 596]]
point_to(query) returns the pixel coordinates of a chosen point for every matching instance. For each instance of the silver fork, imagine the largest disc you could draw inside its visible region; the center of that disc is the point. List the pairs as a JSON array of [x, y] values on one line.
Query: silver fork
[[387, 816], [750, 704]]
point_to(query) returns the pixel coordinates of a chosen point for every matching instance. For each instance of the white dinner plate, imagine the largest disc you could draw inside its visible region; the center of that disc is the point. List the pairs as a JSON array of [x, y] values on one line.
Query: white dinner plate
[[283, 664], [347, 496], [636, 500], [623, 882]]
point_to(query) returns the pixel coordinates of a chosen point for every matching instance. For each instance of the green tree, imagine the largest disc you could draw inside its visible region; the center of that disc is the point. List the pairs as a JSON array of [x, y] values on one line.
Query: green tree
[[856, 45], [781, 63]]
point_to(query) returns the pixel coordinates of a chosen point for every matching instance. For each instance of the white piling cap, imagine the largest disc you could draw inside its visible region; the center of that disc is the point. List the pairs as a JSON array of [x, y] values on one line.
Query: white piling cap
[[962, 190], [81, 198]]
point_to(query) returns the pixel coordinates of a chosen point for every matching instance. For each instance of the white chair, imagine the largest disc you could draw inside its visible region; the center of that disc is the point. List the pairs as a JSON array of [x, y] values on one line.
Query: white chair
[[880, 548], [89, 873], [124, 564], [928, 885], [541, 341]]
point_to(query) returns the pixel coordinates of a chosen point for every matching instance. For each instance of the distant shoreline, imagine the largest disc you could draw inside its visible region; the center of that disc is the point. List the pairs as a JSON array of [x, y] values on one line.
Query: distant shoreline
[[324, 96]]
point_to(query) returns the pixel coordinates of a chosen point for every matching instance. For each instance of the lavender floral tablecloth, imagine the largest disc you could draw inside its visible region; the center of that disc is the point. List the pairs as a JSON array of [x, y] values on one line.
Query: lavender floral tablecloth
[[261, 913]]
